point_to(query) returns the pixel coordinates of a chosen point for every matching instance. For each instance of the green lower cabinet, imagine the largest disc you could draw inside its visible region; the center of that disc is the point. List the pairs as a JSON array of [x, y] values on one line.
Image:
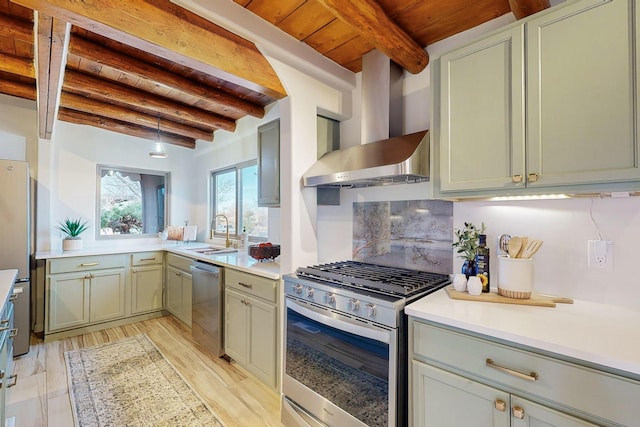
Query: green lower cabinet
[[525, 413]]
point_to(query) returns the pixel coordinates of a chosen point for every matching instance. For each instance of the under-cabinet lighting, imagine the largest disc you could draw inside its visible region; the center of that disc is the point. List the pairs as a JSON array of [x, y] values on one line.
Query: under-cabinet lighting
[[531, 197]]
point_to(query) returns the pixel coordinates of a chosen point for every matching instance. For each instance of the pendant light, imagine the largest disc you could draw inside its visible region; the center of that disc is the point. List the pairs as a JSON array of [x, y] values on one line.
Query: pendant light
[[158, 149]]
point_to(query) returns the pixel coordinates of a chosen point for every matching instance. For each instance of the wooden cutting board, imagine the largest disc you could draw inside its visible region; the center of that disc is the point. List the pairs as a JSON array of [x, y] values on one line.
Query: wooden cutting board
[[536, 299]]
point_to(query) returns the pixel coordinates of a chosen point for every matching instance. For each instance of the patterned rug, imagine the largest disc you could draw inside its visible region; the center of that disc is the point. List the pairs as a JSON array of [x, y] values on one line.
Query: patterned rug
[[129, 383]]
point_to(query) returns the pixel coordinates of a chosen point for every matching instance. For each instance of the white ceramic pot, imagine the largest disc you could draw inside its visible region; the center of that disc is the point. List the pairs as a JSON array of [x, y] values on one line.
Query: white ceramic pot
[[459, 282], [72, 244], [474, 285], [515, 277]]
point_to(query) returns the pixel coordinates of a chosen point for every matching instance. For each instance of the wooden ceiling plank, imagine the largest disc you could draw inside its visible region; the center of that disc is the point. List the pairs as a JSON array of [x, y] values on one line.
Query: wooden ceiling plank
[[523, 8], [273, 11], [107, 57], [18, 89], [298, 23], [15, 65], [87, 105], [112, 125], [371, 22], [52, 37], [21, 30], [100, 89], [149, 28]]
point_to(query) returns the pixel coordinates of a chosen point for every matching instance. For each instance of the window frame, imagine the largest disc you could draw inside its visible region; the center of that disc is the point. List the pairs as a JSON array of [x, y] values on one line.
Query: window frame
[[239, 208], [167, 186]]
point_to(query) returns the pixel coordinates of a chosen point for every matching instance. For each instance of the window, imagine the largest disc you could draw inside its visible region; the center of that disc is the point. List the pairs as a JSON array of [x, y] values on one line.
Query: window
[[235, 195], [131, 203]]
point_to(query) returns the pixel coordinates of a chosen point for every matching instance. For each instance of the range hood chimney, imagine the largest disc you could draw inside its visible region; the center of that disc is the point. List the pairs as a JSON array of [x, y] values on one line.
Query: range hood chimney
[[386, 156]]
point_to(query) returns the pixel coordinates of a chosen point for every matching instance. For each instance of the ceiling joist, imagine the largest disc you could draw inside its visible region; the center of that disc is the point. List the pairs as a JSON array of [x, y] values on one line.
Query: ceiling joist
[[368, 19], [18, 89], [150, 28], [81, 118]]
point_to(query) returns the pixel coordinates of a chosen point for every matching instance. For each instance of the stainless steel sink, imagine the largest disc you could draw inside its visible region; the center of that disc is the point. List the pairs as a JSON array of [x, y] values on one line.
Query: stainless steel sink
[[212, 250]]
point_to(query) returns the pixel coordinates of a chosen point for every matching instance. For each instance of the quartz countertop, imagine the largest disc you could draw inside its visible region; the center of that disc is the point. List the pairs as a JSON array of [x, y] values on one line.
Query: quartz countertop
[[7, 278], [239, 260], [600, 334]]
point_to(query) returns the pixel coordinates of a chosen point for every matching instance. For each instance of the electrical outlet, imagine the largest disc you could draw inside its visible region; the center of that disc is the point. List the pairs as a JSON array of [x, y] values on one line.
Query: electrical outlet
[[600, 254]]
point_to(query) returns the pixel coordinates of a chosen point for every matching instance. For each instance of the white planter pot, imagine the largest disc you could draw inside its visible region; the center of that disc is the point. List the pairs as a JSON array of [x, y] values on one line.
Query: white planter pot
[[72, 244]]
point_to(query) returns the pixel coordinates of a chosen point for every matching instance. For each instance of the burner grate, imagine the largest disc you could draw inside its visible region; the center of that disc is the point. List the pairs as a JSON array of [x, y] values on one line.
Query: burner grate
[[394, 280]]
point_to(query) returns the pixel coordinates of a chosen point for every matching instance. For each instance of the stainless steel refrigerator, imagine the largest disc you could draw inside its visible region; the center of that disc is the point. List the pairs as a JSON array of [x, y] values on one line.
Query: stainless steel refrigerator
[[14, 250]]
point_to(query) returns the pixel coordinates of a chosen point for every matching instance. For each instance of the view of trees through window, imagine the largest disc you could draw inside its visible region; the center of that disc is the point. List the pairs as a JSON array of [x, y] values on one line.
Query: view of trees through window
[[130, 202], [235, 195]]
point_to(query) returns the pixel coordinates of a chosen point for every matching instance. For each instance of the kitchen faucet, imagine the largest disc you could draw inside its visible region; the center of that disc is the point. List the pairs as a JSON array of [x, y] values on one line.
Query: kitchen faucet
[[227, 242]]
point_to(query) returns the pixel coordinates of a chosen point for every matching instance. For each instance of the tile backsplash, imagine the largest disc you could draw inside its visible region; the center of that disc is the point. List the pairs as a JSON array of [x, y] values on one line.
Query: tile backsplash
[[415, 234]]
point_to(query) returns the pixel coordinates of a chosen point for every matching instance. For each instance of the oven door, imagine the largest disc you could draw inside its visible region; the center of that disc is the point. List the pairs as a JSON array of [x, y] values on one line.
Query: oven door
[[337, 369]]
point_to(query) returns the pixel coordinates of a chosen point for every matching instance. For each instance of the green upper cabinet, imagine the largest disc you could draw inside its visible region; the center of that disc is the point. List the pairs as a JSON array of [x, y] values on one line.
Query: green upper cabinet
[[546, 104], [580, 95], [269, 164], [482, 113]]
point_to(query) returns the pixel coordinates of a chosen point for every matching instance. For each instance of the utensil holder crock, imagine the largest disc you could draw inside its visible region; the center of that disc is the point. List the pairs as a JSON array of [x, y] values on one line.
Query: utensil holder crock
[[515, 277]]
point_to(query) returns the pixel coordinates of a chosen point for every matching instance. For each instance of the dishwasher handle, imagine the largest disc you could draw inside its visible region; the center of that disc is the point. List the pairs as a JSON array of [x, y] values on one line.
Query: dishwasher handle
[[204, 267]]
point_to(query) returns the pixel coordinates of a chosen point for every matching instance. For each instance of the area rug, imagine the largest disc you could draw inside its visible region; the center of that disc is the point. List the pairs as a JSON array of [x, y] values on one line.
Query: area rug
[[129, 383]]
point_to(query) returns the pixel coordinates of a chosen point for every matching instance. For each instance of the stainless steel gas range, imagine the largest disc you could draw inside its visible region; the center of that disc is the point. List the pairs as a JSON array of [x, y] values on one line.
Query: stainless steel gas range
[[346, 343]]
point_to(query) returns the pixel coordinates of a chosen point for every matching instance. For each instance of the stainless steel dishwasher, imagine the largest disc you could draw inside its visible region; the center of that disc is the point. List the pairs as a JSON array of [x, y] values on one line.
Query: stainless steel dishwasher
[[207, 307]]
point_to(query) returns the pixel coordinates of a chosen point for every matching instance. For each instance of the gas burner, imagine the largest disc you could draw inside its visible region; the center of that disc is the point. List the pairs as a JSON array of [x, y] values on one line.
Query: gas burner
[[379, 278]]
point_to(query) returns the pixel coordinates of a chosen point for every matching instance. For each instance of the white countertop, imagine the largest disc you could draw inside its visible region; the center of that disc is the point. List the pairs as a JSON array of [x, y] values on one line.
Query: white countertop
[[7, 277], [239, 260], [596, 333]]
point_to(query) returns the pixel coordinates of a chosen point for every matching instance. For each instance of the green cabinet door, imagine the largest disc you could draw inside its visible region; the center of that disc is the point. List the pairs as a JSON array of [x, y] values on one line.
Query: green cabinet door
[[443, 399], [482, 113], [529, 414], [146, 289], [68, 300], [236, 326], [580, 95], [262, 350], [107, 298], [179, 289]]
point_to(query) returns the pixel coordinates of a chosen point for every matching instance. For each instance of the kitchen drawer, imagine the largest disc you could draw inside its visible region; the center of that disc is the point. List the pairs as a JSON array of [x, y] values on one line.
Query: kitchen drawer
[[144, 258], [251, 284], [86, 263], [574, 387], [179, 262]]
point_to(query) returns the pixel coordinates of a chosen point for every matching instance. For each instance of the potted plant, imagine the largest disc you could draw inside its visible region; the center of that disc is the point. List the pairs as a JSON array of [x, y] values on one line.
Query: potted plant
[[467, 246], [72, 228]]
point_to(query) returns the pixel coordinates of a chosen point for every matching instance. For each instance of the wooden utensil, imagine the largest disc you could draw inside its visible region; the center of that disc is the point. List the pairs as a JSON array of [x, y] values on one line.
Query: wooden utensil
[[532, 248], [515, 244], [525, 241]]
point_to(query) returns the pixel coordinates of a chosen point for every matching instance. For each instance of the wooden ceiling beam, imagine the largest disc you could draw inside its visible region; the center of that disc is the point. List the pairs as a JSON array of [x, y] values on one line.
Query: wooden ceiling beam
[[105, 123], [72, 101], [106, 91], [368, 19], [19, 66], [145, 26], [21, 30], [523, 8], [51, 41], [226, 104], [20, 90]]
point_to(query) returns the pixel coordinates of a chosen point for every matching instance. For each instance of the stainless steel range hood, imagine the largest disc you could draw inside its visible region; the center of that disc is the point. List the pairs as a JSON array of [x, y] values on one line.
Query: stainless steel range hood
[[386, 156], [402, 159]]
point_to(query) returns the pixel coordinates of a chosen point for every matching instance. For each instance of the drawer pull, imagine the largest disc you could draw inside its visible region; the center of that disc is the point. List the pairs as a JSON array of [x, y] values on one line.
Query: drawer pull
[[500, 405], [14, 296], [516, 179], [4, 328], [148, 259], [13, 333], [517, 412], [529, 377], [532, 177], [245, 285], [4, 321], [89, 264]]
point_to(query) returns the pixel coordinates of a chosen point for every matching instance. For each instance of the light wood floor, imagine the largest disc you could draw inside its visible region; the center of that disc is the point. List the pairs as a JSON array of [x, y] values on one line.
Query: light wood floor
[[41, 396]]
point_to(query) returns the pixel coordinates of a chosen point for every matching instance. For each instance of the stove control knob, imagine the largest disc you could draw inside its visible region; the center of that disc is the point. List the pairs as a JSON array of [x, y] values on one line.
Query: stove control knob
[[297, 289], [371, 310], [354, 304], [329, 298], [310, 292]]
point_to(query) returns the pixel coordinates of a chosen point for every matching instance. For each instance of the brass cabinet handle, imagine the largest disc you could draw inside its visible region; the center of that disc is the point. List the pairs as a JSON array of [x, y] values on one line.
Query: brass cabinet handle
[[178, 273], [532, 177], [245, 285], [4, 321], [516, 179], [517, 412], [529, 377], [89, 264], [14, 296], [148, 259], [500, 405]]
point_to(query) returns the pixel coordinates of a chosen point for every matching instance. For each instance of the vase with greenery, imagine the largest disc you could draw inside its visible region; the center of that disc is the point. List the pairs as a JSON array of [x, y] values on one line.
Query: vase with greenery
[[72, 228], [467, 246]]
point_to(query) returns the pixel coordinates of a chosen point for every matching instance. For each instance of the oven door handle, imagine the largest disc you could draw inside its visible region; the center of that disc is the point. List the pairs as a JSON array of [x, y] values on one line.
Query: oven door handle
[[374, 334]]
